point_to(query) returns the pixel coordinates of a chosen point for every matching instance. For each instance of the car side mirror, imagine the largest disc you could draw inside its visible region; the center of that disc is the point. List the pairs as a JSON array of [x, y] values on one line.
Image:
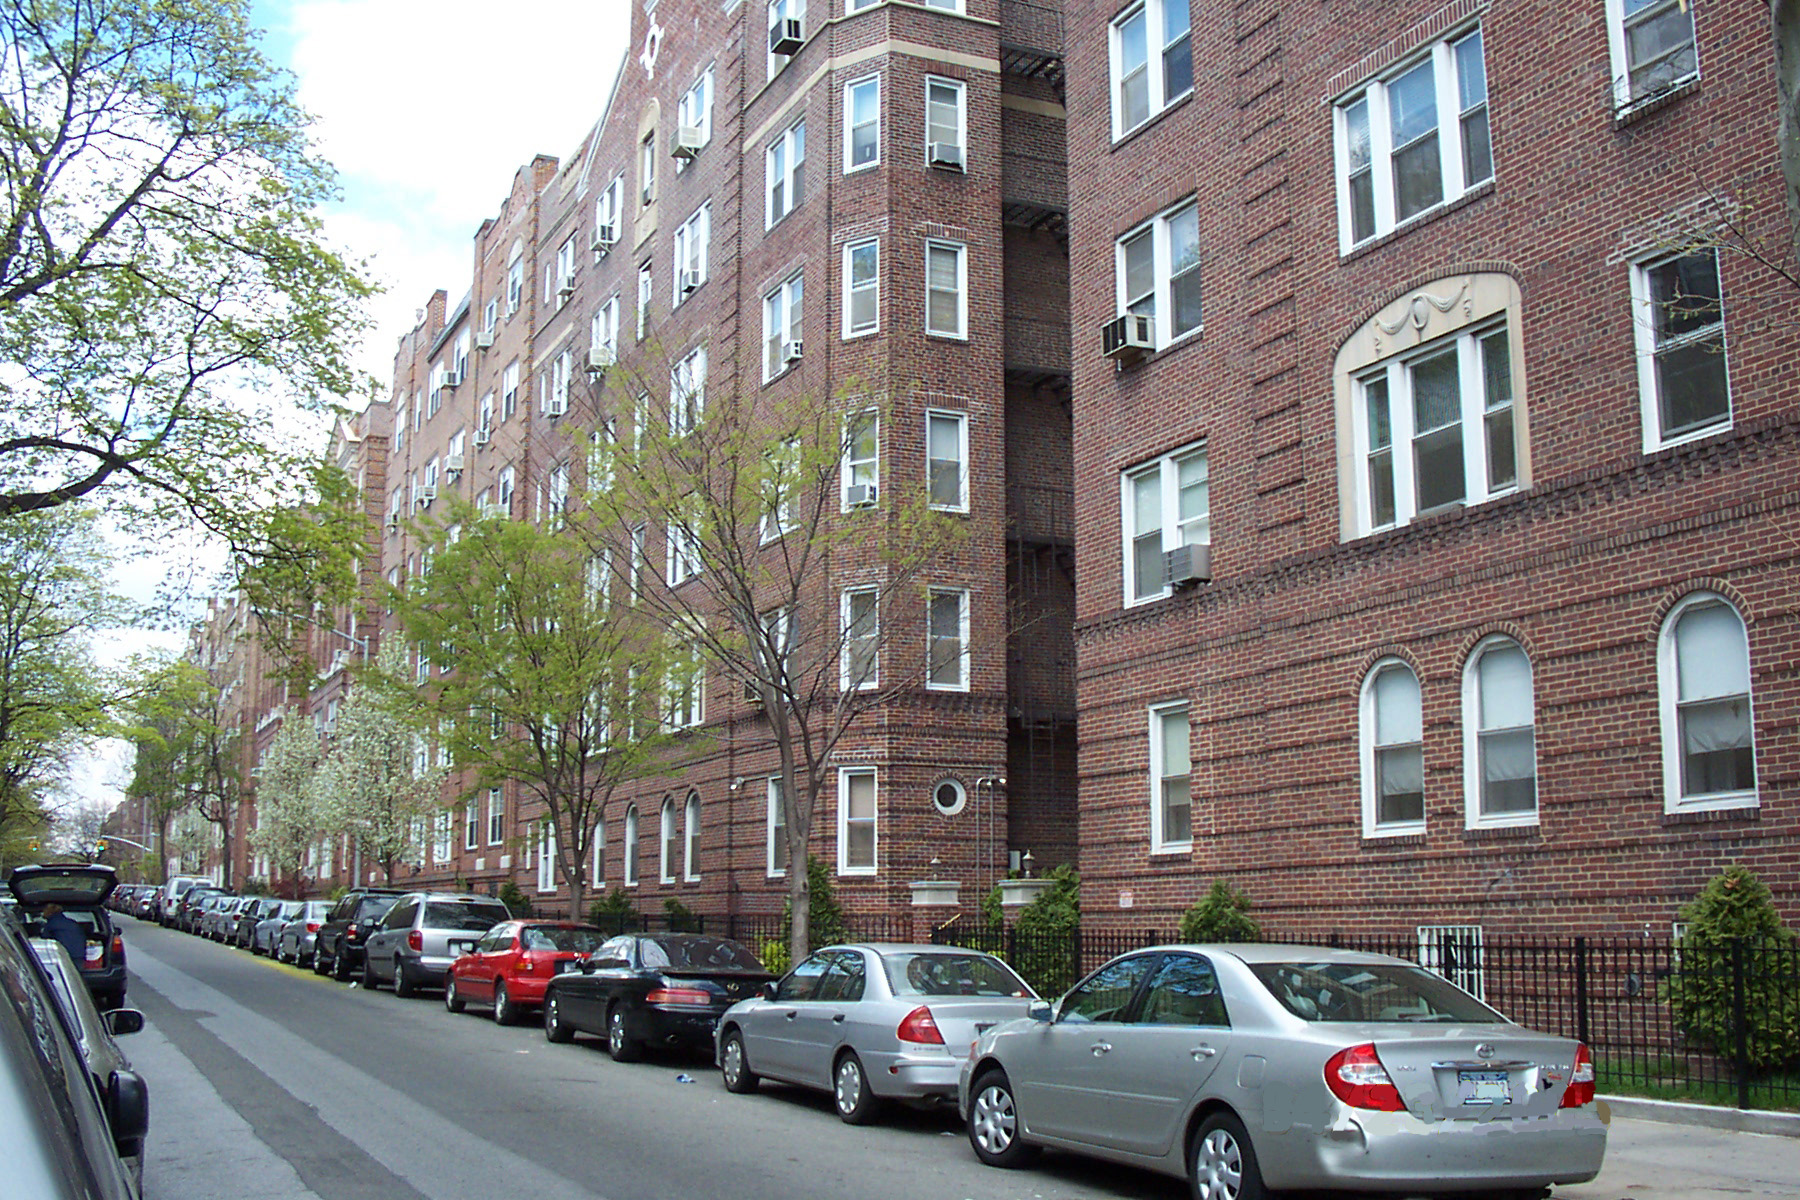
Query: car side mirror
[[768, 989], [1041, 1010], [128, 1110], [121, 1021]]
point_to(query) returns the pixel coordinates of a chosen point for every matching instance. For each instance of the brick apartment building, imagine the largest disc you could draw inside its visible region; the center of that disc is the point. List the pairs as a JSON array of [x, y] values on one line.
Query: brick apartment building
[[825, 202], [1423, 343]]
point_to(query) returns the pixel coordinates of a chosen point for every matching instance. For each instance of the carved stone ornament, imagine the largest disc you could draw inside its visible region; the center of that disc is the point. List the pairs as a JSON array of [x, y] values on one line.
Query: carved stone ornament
[[653, 37], [1417, 313]]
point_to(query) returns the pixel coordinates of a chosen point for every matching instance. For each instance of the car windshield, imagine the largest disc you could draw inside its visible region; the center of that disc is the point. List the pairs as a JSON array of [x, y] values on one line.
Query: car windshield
[[952, 975], [371, 907], [697, 952], [1338, 991], [576, 941], [463, 915]]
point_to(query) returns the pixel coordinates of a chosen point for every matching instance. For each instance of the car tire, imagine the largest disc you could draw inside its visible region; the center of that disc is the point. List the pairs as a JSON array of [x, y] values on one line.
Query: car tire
[[403, 983], [734, 1066], [555, 1028], [505, 1011], [340, 966], [452, 1001], [369, 982], [850, 1093], [1222, 1163], [994, 1122], [619, 1043], [319, 965]]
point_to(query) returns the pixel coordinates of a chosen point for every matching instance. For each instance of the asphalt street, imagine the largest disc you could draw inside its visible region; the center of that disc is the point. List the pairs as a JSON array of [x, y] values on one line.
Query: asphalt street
[[269, 1083]]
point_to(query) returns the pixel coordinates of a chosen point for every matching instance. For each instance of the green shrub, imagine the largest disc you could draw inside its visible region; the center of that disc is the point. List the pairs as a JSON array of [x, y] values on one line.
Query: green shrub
[[682, 919], [824, 915], [1735, 914], [517, 902], [612, 912], [1222, 915], [775, 955], [1045, 949]]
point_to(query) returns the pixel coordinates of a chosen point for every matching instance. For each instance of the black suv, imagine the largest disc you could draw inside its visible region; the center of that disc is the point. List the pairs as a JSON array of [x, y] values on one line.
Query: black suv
[[80, 890], [338, 950]]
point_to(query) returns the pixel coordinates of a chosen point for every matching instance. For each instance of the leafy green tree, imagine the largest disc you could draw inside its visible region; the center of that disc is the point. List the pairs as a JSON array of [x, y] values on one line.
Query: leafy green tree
[[1222, 915], [289, 809], [1734, 916], [1045, 942], [554, 681], [166, 296]]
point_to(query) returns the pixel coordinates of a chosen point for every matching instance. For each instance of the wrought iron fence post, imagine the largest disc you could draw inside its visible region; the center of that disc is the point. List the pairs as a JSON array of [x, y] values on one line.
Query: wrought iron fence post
[[1075, 965], [1581, 990], [1740, 1023]]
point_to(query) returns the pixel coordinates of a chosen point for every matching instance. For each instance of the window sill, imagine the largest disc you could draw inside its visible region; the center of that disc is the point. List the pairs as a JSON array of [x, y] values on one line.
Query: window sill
[[1478, 192], [1723, 425], [858, 170], [1172, 850], [1153, 120], [1746, 807], [1495, 831], [1633, 111], [859, 334], [947, 337], [1407, 835], [856, 872], [950, 510], [947, 689]]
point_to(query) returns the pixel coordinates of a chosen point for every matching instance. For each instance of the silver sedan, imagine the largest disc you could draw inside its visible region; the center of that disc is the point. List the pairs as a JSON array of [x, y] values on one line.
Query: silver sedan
[[870, 1022], [1253, 1067]]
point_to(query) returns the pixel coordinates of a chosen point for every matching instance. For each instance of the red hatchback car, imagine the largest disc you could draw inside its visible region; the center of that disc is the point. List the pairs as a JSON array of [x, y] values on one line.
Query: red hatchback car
[[510, 965]]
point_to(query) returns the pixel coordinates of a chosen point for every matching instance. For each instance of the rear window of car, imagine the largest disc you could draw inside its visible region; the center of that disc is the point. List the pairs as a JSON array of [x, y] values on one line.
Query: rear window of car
[[375, 906], [698, 952], [463, 916], [572, 941], [952, 975], [1333, 991]]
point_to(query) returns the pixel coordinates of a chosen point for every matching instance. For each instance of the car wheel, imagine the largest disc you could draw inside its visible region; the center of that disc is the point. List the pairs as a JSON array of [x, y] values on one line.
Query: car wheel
[[319, 965], [994, 1122], [1222, 1163], [403, 984], [856, 1104], [619, 1043], [452, 1001], [555, 1028], [340, 966], [369, 982], [738, 1076], [505, 1011]]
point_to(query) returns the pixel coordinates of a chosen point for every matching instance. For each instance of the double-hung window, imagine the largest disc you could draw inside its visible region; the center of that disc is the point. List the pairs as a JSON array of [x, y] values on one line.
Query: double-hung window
[[782, 346], [1652, 46], [947, 459], [561, 368], [946, 122], [565, 270], [947, 637], [608, 210], [603, 330], [1158, 272], [946, 289], [546, 857], [556, 495], [1171, 802], [496, 816], [504, 486], [856, 821], [862, 124], [644, 292], [647, 169], [684, 695], [861, 467], [687, 392], [471, 825], [691, 241], [862, 287], [787, 18], [1413, 140], [1679, 321], [683, 552], [690, 839], [515, 284], [509, 390], [694, 112], [780, 487], [1708, 735], [1393, 751], [784, 168], [1165, 504], [776, 838], [1499, 736], [1152, 61], [630, 860], [860, 618]]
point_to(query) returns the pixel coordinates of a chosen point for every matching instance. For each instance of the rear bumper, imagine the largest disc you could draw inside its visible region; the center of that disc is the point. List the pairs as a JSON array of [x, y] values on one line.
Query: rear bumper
[[914, 1076], [674, 1026]]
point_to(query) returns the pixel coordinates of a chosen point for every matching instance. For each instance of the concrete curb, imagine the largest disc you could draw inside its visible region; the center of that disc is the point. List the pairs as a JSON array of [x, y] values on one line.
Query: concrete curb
[[1707, 1116]]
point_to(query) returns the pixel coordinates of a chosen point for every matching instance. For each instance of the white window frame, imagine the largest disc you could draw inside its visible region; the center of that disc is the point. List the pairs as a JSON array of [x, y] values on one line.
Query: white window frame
[[646, 293], [1367, 753], [1645, 335], [961, 330], [852, 638], [783, 310], [687, 392], [853, 92], [609, 208], [1669, 701], [692, 246], [566, 266], [647, 169], [509, 389], [441, 839], [681, 554], [775, 864], [1373, 96], [784, 166], [504, 487], [845, 866], [496, 816], [1619, 56], [1475, 725], [694, 109], [634, 574], [935, 417], [603, 329], [1160, 716], [933, 636], [684, 696], [1470, 977], [1157, 100], [515, 284], [1175, 532], [546, 857], [961, 103], [1163, 273], [858, 469], [690, 838], [852, 288], [668, 846], [597, 871], [784, 10], [633, 846], [779, 491]]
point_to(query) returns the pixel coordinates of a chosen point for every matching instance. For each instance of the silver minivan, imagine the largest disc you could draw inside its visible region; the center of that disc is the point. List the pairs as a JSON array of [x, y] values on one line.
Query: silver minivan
[[423, 934]]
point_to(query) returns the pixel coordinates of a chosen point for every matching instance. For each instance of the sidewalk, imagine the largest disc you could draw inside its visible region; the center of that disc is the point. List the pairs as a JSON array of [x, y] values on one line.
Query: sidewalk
[[1659, 1160]]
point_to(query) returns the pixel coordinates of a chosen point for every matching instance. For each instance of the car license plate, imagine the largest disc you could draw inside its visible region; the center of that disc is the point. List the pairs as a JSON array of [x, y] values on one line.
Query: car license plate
[[460, 947], [566, 965], [1483, 1087]]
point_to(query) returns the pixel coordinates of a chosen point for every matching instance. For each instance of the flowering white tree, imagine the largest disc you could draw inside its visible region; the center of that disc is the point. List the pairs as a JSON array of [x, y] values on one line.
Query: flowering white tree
[[288, 820]]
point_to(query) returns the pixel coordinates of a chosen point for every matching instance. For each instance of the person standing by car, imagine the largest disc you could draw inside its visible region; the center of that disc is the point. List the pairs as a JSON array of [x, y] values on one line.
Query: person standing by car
[[65, 929]]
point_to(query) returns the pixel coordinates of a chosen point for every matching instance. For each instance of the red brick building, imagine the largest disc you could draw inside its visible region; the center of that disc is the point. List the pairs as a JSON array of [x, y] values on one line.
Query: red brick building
[[1444, 334]]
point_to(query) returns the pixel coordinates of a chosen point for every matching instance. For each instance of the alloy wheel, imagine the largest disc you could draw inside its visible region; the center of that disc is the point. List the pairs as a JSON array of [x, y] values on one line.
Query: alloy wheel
[[992, 1121], [1218, 1167]]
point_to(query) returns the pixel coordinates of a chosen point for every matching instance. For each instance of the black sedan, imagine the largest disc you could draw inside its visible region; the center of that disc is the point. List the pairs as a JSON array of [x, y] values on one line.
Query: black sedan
[[652, 989]]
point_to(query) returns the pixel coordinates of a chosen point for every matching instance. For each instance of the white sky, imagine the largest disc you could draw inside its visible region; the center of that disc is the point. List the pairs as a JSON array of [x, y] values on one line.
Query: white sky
[[427, 110]]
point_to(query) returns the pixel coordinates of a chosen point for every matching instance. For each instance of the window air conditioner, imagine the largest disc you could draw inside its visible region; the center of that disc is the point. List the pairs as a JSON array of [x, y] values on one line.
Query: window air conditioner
[[555, 406], [860, 495], [564, 291], [791, 352], [484, 339], [947, 156], [483, 435], [598, 359], [427, 493], [1128, 339], [649, 193], [604, 237], [393, 522], [690, 282], [785, 37], [453, 463], [687, 143], [1187, 564], [753, 693], [452, 377]]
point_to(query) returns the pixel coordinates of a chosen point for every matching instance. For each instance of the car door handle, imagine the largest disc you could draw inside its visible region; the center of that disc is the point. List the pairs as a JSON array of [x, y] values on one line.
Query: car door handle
[[837, 1019], [790, 1014], [1100, 1048], [1202, 1051]]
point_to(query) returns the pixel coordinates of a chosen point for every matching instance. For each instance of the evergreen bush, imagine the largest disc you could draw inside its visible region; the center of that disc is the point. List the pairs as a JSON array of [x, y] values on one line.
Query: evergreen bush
[[1222, 915], [1735, 915]]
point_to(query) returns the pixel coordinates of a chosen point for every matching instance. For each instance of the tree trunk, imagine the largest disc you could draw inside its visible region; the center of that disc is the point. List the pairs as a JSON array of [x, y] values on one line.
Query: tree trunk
[[1784, 21]]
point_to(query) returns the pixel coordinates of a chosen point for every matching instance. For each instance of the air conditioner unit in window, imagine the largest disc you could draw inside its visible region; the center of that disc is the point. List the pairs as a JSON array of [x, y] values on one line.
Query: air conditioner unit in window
[[555, 406], [483, 435], [687, 142], [690, 282], [452, 377], [484, 339], [1128, 339], [604, 237], [453, 463], [785, 37], [860, 495], [393, 522], [426, 494], [791, 352], [649, 192], [1187, 564], [947, 156], [598, 359], [753, 693], [565, 291]]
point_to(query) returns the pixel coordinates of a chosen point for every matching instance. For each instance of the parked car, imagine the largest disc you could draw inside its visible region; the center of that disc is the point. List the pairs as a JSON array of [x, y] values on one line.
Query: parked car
[[172, 892], [63, 1134], [423, 934], [510, 966], [338, 948], [294, 943], [252, 914], [869, 1023], [215, 912], [80, 890], [652, 989], [190, 906], [94, 1033], [265, 930], [1253, 1067]]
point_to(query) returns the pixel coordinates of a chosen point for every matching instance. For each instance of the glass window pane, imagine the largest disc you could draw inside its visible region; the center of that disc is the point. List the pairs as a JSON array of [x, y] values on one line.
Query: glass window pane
[[1478, 151], [1134, 50], [1717, 754], [1711, 655], [1174, 734], [1140, 268], [1356, 134], [1508, 772], [1684, 296], [1147, 564], [1191, 488], [1105, 995], [1690, 386], [1178, 810], [1471, 75], [1400, 773], [1418, 177], [1397, 716], [1503, 678], [1412, 104]]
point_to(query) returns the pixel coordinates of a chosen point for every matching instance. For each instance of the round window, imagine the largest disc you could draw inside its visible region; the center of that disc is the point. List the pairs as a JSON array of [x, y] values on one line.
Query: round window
[[949, 797]]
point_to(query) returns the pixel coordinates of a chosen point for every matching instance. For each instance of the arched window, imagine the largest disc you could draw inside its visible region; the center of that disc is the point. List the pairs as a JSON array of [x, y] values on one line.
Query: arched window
[[1499, 736], [1393, 751], [631, 846], [691, 838], [670, 848], [598, 871], [1708, 739]]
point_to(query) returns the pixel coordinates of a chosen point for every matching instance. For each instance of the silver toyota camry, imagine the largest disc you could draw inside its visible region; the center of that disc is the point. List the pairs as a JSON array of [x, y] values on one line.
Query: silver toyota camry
[[1253, 1067]]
